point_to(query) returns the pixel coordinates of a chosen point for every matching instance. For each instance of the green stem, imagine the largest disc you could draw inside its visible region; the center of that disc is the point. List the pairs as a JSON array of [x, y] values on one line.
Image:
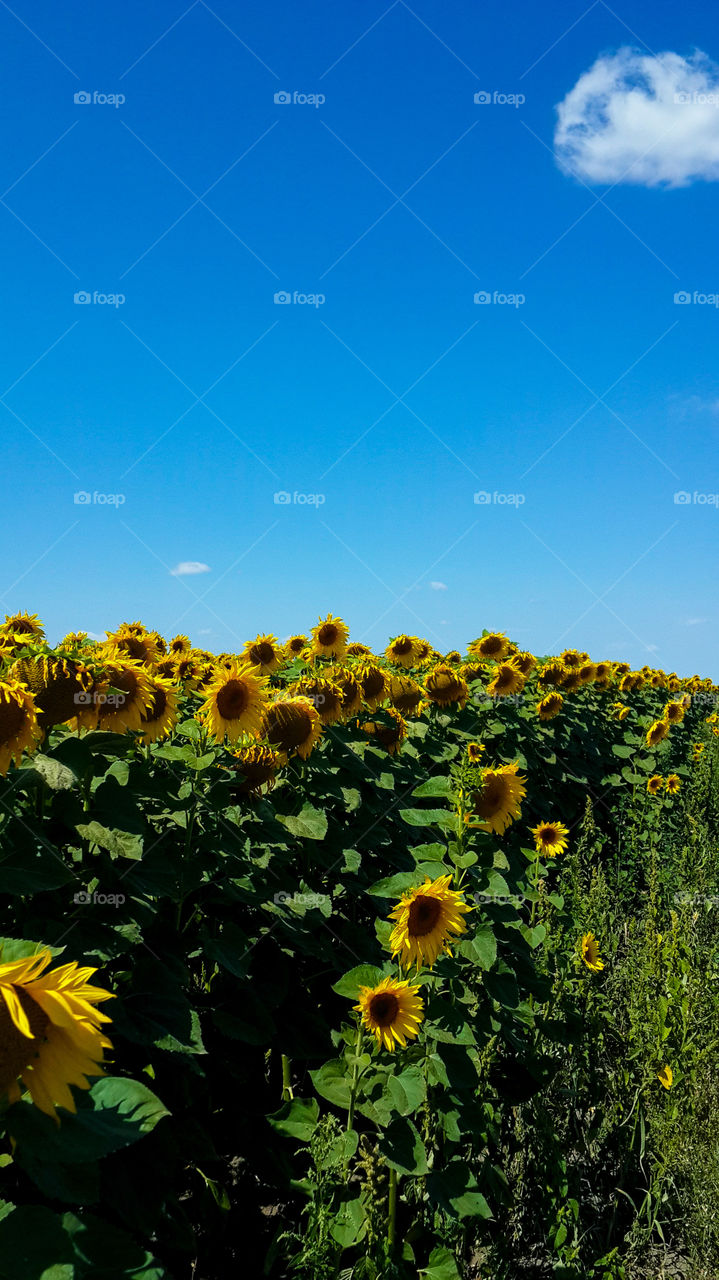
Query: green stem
[[353, 1085], [287, 1092], [392, 1209]]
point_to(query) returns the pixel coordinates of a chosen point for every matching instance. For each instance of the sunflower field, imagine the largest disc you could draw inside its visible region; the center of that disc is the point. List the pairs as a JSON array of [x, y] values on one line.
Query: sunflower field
[[316, 962]]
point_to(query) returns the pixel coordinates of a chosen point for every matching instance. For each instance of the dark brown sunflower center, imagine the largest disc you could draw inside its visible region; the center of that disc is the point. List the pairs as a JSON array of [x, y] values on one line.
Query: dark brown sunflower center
[[491, 799], [407, 701], [373, 683], [297, 645], [383, 1009], [402, 646], [423, 916], [491, 645], [12, 719], [232, 700], [547, 835], [327, 633], [158, 708], [288, 726], [16, 1050], [261, 653]]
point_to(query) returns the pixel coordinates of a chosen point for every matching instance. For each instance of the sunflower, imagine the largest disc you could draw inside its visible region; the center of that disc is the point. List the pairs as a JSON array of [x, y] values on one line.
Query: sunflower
[[50, 1031], [508, 679], [401, 651], [620, 711], [454, 657], [673, 713], [550, 706], [424, 919], [475, 751], [21, 628], [264, 652], [552, 673], [357, 650], [655, 784], [161, 717], [295, 645], [292, 725], [571, 679], [471, 671], [656, 733], [587, 673], [389, 733], [603, 674], [493, 645], [423, 650], [550, 838], [697, 750], [444, 687], [133, 644], [498, 802], [673, 784], [57, 684], [350, 690], [234, 702], [524, 662], [374, 684], [120, 711], [665, 1076], [324, 694], [712, 719], [19, 728], [405, 694], [392, 1011], [590, 953], [160, 643], [329, 638], [570, 658], [626, 684], [179, 647], [258, 766]]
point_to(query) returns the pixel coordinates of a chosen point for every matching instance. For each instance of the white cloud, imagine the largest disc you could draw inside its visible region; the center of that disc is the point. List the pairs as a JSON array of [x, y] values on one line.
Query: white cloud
[[438, 586], [642, 119], [694, 622], [96, 635], [189, 566], [205, 631]]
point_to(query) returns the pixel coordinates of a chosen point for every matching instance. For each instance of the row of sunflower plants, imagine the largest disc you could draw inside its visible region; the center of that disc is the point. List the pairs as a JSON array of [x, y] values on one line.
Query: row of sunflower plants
[[315, 881]]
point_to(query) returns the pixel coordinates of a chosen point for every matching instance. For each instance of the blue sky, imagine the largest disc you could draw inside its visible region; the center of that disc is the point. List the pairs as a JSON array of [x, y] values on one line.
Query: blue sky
[[382, 408]]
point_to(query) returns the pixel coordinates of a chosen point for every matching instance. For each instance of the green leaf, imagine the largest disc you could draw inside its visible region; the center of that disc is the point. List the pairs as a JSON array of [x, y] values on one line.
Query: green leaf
[[34, 1246], [484, 946], [21, 948], [437, 788], [119, 844], [349, 1223], [55, 775], [402, 1147], [296, 1119], [363, 975], [454, 1188], [308, 824], [429, 818], [442, 1266], [114, 1113], [407, 1090], [32, 866], [622, 751], [331, 1082], [395, 886]]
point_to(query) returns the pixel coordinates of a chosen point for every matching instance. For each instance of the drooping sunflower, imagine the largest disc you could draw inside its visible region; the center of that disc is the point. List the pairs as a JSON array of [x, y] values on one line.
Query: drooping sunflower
[[620, 711], [494, 645], [655, 784], [673, 713], [161, 717], [258, 766], [350, 690], [552, 673], [571, 680], [471, 671], [673, 784], [590, 953], [234, 702], [56, 685], [292, 725], [19, 728], [121, 711], [324, 694], [665, 1076], [475, 751], [401, 651], [550, 706], [423, 651], [404, 694], [425, 918], [550, 838], [50, 1031], [390, 732], [570, 658], [656, 733], [392, 1011], [374, 684], [587, 673], [187, 670], [454, 657], [508, 679], [329, 638], [444, 687], [357, 650], [264, 652], [498, 801], [133, 644], [524, 662], [603, 674], [21, 628]]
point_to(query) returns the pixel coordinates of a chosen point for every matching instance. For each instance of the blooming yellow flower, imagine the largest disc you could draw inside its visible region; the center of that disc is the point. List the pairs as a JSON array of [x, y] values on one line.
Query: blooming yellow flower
[[655, 784], [425, 918], [590, 953], [392, 1011], [550, 838], [665, 1076]]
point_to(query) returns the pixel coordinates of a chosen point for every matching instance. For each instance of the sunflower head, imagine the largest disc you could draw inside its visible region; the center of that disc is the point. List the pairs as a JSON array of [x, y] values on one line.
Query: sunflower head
[[492, 645], [590, 953], [234, 702], [390, 731], [655, 784], [673, 784], [19, 728], [160, 717], [258, 766], [508, 679], [295, 646], [656, 733], [21, 628], [550, 706], [475, 751], [131, 643], [673, 713], [524, 662], [392, 1011], [401, 651], [350, 690], [404, 694], [264, 652], [498, 801], [443, 686], [329, 638], [50, 1031], [550, 838], [552, 673], [325, 694], [425, 920], [57, 685], [292, 725], [374, 683]]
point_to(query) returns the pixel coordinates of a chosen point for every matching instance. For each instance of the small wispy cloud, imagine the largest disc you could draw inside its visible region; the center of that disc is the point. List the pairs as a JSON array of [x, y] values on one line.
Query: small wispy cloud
[[188, 567], [694, 622], [438, 586], [205, 631]]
